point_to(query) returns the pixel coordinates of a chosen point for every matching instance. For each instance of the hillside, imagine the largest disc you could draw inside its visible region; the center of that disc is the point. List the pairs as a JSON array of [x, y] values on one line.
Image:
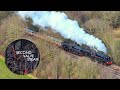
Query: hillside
[[69, 65], [56, 63]]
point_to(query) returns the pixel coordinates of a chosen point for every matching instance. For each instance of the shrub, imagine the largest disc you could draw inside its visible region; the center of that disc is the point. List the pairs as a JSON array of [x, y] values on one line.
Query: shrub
[[31, 26]]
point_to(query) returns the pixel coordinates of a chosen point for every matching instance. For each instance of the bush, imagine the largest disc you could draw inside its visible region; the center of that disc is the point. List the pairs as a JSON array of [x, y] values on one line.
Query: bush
[[116, 52], [31, 26], [116, 22], [5, 14], [97, 27]]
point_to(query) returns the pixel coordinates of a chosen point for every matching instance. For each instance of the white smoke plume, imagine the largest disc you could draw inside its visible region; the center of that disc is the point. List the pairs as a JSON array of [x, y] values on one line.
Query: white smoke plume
[[68, 28]]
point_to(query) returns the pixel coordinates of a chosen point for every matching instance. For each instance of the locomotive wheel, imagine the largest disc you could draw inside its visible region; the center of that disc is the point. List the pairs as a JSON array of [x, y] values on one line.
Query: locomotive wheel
[[81, 55], [99, 61], [65, 48], [73, 51], [94, 60]]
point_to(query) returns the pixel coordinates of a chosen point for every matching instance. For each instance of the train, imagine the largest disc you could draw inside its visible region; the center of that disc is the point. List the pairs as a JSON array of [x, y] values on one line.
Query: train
[[77, 50], [95, 56]]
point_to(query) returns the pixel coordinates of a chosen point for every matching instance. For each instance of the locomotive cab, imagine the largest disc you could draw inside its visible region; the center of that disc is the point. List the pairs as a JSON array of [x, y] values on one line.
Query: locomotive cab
[[103, 58]]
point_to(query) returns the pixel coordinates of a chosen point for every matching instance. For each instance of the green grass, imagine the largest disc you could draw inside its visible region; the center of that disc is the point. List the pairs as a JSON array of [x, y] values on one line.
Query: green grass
[[5, 73]]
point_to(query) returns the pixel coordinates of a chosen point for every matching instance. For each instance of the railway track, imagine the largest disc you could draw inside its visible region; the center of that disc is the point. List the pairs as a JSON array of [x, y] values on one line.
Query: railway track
[[114, 68]]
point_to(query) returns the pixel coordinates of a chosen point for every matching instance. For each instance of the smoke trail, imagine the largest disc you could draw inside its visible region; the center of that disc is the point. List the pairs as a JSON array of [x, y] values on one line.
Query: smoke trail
[[69, 29]]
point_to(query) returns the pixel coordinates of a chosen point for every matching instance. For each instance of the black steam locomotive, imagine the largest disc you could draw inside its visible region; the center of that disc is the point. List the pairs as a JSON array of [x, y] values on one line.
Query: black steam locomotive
[[95, 56]]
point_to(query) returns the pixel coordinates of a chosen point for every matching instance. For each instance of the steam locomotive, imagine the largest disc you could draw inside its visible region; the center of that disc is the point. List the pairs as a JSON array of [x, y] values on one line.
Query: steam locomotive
[[77, 50], [95, 56]]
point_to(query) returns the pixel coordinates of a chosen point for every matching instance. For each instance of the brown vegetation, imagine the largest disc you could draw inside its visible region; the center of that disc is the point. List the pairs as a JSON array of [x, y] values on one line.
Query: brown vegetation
[[56, 63]]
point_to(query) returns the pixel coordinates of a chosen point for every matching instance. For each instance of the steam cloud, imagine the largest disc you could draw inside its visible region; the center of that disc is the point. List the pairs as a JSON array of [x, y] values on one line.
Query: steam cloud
[[68, 28]]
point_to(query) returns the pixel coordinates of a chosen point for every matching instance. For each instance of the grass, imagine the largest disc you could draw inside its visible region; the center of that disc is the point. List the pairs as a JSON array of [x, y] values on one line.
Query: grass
[[5, 73]]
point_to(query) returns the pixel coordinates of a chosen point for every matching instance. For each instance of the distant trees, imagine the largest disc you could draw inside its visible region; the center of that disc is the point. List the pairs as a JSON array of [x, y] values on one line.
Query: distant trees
[[97, 26], [5, 14], [84, 16], [102, 25], [31, 26], [116, 22], [11, 28]]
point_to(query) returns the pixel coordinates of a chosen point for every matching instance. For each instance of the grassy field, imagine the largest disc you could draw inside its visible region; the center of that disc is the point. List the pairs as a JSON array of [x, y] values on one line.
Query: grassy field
[[5, 73]]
